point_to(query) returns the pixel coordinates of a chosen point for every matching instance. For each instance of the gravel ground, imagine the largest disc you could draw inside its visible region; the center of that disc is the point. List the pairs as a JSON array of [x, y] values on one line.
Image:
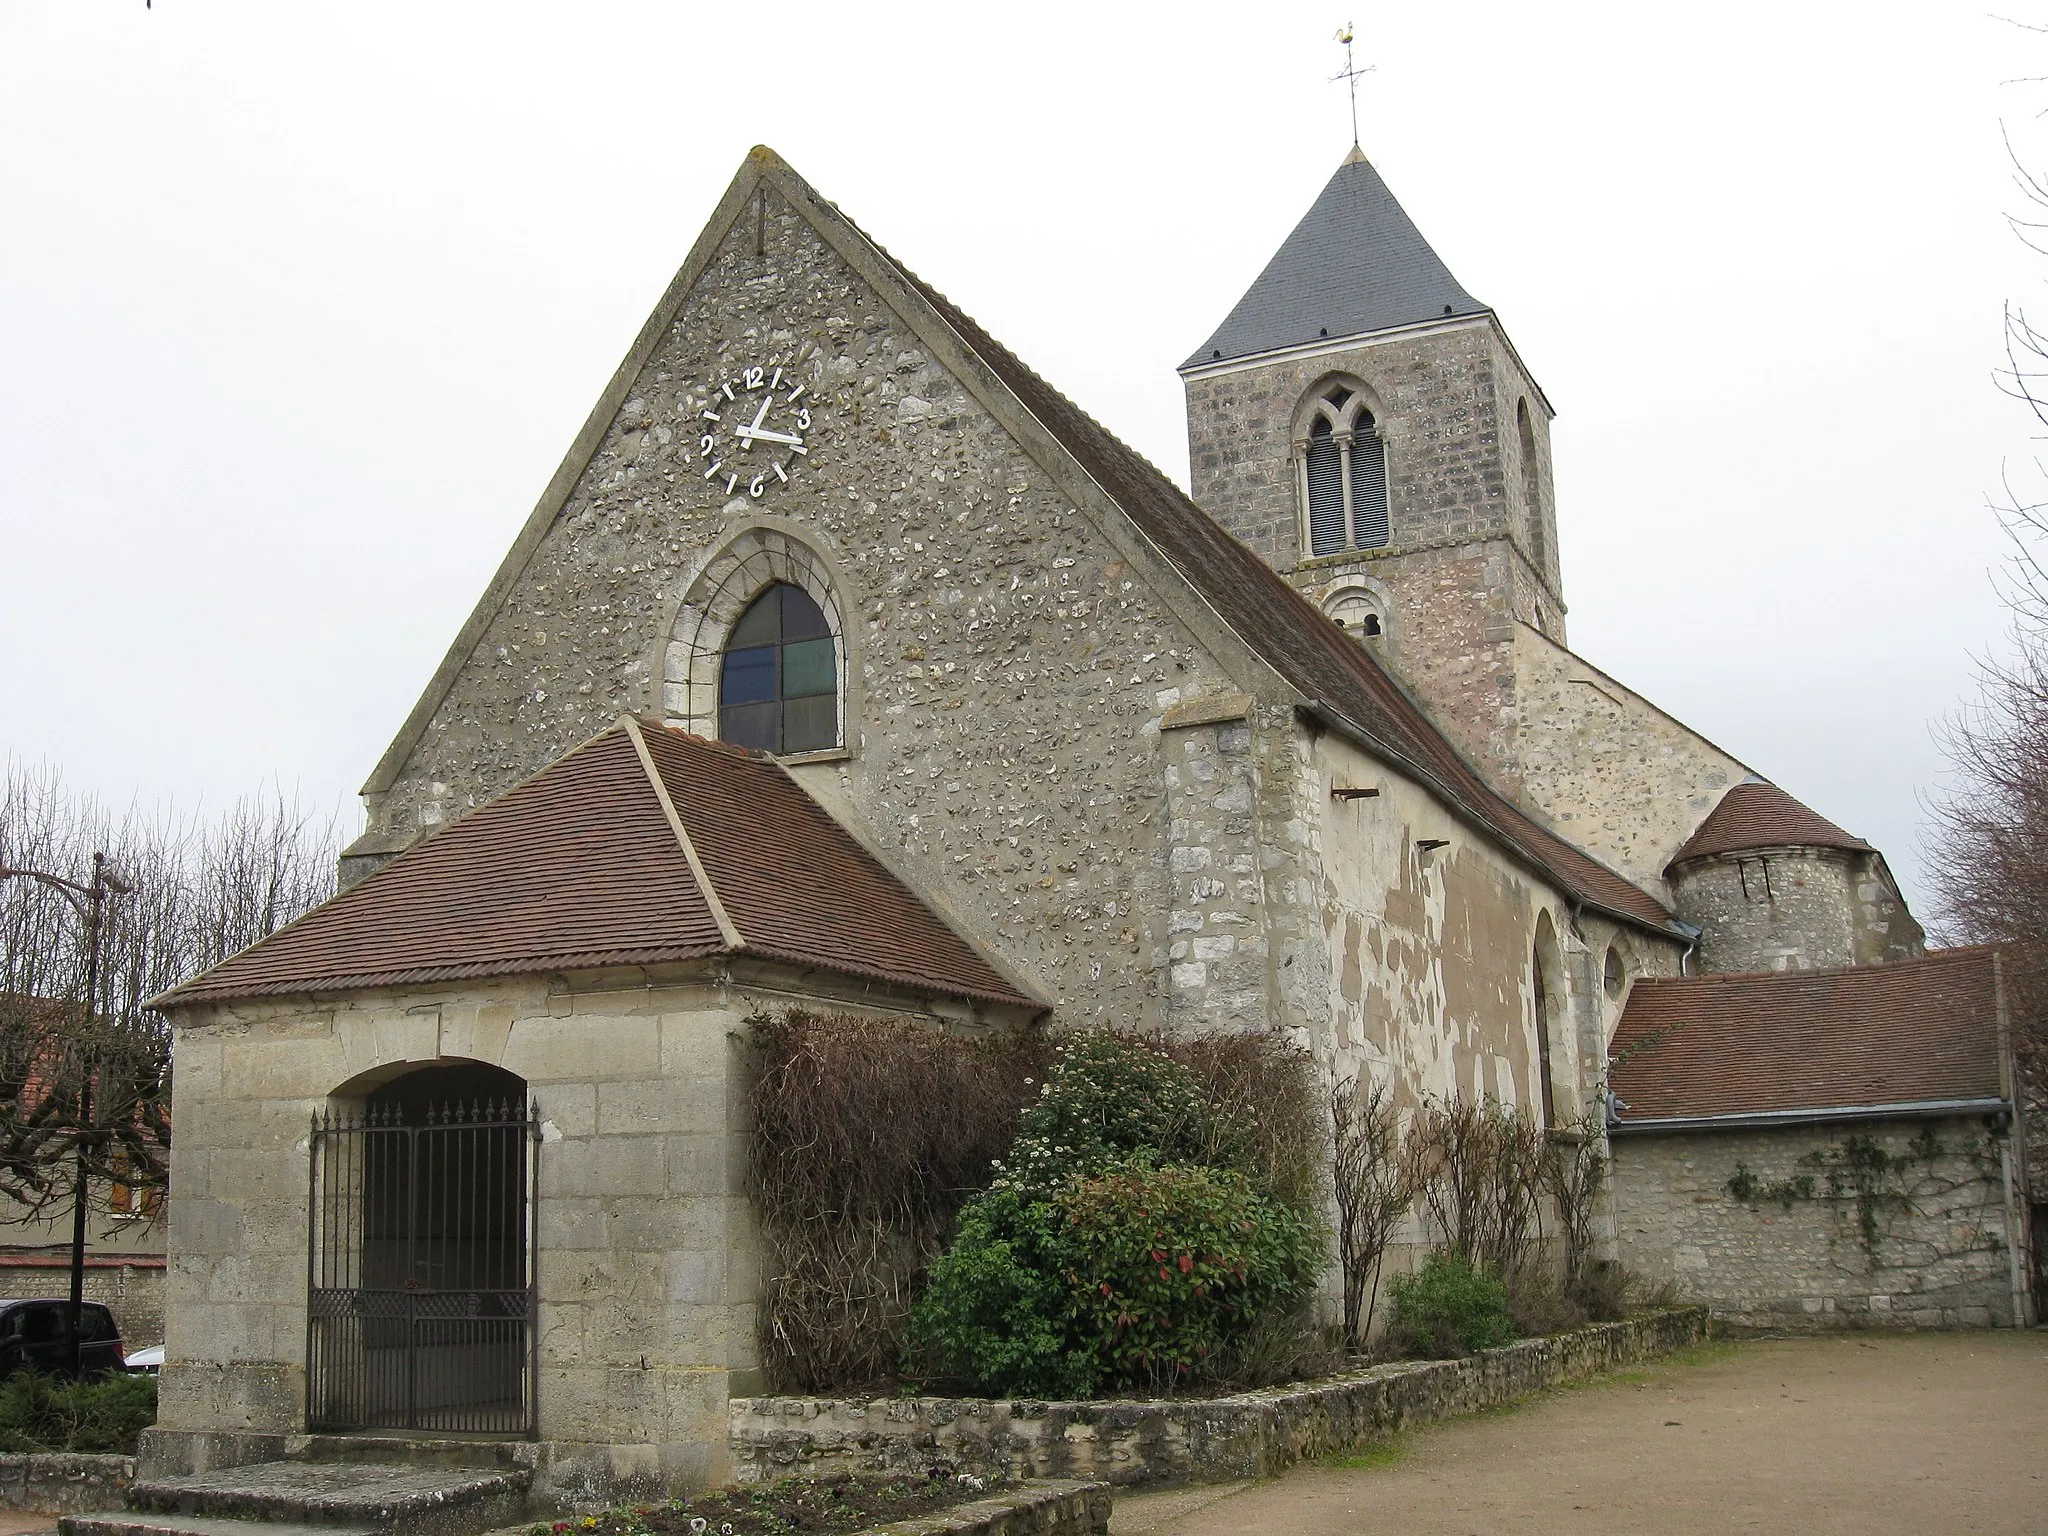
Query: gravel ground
[[1870, 1434]]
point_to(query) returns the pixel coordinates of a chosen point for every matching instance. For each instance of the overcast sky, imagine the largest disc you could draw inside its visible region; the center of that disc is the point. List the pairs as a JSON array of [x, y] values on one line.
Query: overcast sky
[[301, 304]]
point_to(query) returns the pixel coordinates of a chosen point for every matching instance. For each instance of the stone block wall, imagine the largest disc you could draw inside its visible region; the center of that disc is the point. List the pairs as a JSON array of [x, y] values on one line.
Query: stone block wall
[[133, 1291], [647, 1256], [1938, 1251]]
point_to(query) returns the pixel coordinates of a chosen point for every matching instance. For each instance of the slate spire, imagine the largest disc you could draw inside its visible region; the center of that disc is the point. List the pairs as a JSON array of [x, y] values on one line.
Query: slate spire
[[1355, 264]]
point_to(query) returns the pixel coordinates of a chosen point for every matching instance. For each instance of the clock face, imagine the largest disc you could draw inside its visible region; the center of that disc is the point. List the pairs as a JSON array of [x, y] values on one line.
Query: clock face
[[753, 430]]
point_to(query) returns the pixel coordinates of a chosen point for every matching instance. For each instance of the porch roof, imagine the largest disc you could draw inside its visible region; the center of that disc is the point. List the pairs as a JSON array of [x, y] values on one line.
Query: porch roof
[[644, 845], [1912, 1032]]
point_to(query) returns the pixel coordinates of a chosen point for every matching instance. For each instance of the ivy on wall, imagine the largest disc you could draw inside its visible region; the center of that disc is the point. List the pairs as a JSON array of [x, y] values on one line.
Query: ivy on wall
[[1859, 1180]]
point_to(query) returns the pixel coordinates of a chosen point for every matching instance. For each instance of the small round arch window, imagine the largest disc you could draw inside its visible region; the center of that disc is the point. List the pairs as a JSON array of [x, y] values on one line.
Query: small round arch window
[[778, 682]]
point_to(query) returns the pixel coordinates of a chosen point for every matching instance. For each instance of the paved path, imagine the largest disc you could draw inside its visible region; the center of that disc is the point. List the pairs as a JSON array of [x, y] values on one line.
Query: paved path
[[1869, 1434]]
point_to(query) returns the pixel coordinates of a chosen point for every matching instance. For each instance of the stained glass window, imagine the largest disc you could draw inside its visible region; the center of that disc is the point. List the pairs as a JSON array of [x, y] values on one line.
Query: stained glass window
[[778, 683]]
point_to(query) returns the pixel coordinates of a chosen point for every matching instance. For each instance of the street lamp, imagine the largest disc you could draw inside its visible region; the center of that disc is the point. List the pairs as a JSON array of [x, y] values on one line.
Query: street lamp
[[89, 901]]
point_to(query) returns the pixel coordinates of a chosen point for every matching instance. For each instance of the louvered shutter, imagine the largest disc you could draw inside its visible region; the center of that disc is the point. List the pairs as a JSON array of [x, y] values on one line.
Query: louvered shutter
[[1369, 524], [1325, 493]]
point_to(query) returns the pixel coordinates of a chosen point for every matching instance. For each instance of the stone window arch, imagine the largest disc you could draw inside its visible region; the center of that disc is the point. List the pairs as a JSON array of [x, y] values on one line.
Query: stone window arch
[[1360, 611], [737, 586], [1340, 461]]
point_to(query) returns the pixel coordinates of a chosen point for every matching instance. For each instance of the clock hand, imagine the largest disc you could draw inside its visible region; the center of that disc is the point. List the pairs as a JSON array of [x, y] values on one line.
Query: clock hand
[[749, 434], [762, 414]]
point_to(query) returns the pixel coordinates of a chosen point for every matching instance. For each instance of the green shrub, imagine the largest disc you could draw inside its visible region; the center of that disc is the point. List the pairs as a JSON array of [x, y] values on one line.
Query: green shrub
[[1173, 1265], [43, 1413], [1144, 1276], [1449, 1309], [997, 1310], [1131, 1236]]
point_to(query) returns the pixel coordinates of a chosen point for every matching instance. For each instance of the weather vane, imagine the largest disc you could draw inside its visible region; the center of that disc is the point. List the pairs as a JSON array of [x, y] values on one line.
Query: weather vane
[[1349, 74]]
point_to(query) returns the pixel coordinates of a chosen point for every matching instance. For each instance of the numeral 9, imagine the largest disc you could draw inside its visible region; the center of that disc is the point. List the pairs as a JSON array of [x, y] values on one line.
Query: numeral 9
[[705, 444]]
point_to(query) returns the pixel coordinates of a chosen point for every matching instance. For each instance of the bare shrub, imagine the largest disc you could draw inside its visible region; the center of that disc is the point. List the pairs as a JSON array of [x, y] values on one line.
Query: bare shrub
[[1574, 1173], [1478, 1170], [1373, 1178], [869, 1135], [1265, 1089]]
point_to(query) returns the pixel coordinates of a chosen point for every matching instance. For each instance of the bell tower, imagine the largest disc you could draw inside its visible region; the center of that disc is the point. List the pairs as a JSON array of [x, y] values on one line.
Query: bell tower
[[1365, 425]]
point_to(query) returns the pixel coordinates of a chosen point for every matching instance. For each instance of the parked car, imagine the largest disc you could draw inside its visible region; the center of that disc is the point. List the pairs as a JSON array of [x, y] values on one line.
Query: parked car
[[150, 1360], [33, 1337]]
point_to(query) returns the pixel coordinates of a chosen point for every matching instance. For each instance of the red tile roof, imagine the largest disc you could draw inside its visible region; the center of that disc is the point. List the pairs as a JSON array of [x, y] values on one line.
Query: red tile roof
[[1911, 1032], [580, 867], [1756, 814], [1294, 637]]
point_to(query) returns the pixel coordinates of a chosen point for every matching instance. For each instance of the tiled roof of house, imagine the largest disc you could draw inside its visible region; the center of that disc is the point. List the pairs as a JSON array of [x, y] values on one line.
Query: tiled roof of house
[[1916, 1031], [1757, 814], [582, 867], [1288, 631]]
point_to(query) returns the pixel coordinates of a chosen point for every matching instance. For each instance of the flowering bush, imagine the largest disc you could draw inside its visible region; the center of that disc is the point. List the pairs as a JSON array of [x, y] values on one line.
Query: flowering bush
[[1108, 1096]]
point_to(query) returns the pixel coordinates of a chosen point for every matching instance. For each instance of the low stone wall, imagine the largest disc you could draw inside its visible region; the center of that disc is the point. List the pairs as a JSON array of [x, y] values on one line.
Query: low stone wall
[[1175, 1440], [1049, 1508], [57, 1483]]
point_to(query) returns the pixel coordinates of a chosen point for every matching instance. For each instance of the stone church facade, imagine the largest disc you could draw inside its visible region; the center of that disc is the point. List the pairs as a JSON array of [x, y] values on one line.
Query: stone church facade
[[1303, 752]]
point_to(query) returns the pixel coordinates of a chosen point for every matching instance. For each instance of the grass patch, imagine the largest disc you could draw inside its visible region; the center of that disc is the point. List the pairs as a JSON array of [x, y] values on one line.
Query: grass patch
[[1373, 1456]]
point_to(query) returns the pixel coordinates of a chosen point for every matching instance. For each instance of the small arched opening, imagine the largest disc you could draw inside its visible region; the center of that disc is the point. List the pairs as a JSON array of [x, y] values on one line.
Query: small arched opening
[[421, 1293]]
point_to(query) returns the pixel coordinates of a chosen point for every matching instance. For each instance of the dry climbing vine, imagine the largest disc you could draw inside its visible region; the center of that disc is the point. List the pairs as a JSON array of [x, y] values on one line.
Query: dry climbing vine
[[1859, 1180]]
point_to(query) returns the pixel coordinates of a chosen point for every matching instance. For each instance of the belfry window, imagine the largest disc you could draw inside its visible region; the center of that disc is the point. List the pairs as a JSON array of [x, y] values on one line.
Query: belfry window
[[1344, 476], [778, 682]]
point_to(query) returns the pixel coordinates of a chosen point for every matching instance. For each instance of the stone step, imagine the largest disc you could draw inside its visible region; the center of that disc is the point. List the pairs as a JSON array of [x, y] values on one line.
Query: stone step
[[416, 1450], [388, 1498], [118, 1522]]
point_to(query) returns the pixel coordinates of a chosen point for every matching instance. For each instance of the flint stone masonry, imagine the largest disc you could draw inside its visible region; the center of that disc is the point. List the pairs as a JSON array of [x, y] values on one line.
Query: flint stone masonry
[[1943, 1261], [1604, 766], [1794, 909], [1003, 662], [1175, 1440]]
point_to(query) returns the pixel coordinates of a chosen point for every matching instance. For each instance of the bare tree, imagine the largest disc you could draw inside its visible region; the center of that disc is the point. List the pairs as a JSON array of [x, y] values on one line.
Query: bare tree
[[88, 1078]]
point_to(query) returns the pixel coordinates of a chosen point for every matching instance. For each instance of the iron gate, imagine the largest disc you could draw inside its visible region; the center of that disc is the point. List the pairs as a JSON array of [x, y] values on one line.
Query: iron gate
[[421, 1283]]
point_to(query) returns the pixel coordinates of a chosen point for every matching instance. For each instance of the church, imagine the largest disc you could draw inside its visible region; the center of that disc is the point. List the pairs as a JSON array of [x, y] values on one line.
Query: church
[[846, 664]]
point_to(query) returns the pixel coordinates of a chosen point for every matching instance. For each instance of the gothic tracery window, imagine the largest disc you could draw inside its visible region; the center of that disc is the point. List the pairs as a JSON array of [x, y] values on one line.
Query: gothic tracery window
[[778, 681], [1344, 476]]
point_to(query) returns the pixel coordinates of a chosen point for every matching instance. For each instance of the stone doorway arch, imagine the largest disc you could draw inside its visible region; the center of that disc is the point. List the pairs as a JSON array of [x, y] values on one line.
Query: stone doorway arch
[[421, 1285]]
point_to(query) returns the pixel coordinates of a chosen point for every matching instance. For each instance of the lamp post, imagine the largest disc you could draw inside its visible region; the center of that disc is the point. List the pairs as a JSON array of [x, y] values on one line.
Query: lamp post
[[89, 901]]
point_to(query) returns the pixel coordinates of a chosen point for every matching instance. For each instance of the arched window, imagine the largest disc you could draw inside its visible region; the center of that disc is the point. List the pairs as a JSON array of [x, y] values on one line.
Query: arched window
[[1357, 612], [778, 682], [1344, 476]]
